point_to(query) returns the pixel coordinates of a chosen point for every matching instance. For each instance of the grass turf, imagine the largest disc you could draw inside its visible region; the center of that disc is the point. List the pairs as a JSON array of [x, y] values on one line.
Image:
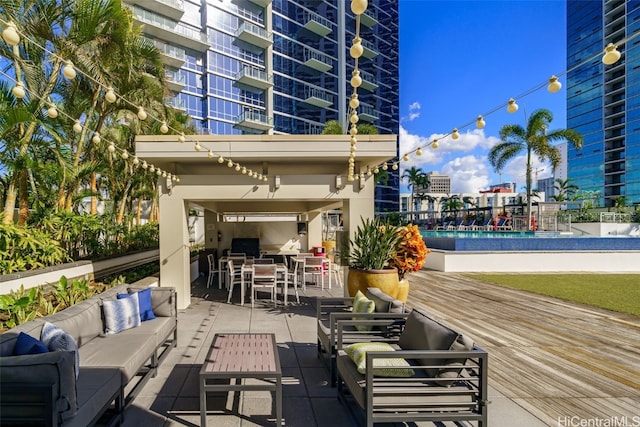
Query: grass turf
[[617, 292]]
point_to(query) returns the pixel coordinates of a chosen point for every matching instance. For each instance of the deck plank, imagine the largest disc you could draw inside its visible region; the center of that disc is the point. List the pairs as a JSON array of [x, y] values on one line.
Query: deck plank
[[555, 359]]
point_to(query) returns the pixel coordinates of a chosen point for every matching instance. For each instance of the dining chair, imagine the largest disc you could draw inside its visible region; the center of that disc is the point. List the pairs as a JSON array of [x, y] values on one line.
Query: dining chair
[[314, 267], [238, 261], [264, 276], [212, 269], [234, 273], [290, 277], [263, 261]]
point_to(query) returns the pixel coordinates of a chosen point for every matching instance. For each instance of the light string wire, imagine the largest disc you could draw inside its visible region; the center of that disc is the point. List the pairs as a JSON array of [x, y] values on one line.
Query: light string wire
[[181, 136]]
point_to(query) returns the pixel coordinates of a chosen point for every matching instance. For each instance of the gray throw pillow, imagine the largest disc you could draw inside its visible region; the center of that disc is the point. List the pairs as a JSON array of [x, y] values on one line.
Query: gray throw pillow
[[384, 303], [423, 333]]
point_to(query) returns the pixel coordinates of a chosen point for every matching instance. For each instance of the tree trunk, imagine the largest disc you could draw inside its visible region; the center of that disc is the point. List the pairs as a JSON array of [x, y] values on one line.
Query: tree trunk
[[529, 189], [9, 204], [94, 191], [139, 211], [23, 198]]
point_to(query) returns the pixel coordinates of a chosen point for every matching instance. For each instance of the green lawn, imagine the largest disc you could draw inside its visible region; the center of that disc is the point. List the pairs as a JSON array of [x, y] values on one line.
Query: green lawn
[[618, 292]]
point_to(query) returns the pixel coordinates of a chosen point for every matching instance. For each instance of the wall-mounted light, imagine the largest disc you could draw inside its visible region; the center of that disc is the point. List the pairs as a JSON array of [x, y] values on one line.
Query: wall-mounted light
[[338, 181], [276, 182]]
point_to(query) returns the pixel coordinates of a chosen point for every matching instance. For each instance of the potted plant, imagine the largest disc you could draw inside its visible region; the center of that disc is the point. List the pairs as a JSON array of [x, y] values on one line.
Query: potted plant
[[373, 245], [409, 257]]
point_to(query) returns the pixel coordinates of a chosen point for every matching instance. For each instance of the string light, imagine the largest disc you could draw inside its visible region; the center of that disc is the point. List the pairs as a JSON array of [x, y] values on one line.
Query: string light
[[455, 134], [196, 146], [10, 34], [419, 151], [96, 138], [356, 50], [68, 71], [110, 96], [142, 115], [358, 6], [512, 107], [18, 90], [356, 80], [163, 127], [77, 127], [181, 138], [52, 111], [220, 159], [611, 54], [480, 123], [554, 84], [210, 154], [435, 144]]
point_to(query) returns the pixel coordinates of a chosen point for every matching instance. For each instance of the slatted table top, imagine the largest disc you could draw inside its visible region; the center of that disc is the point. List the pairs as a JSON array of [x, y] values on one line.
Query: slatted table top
[[240, 354]]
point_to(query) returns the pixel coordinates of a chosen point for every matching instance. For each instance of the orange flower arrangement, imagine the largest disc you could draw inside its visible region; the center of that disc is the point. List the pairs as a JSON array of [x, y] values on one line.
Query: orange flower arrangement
[[411, 253]]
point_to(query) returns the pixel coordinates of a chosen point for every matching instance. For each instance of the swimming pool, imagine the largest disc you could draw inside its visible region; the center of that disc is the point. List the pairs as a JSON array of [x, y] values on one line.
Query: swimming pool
[[504, 241]]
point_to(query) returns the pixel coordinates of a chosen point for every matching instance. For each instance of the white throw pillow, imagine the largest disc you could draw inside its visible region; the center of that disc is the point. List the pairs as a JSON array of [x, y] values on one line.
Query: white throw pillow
[[121, 314]]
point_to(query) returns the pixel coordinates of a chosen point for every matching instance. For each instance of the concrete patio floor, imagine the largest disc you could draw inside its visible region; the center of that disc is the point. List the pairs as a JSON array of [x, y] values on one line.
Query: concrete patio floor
[[172, 398]]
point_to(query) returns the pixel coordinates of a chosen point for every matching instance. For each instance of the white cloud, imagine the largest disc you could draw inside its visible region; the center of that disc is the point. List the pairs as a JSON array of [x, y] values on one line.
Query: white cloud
[[414, 112], [516, 169], [468, 174]]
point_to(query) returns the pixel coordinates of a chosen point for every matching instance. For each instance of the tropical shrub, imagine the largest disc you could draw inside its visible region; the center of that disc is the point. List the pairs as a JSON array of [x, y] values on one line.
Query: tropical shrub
[[28, 249]]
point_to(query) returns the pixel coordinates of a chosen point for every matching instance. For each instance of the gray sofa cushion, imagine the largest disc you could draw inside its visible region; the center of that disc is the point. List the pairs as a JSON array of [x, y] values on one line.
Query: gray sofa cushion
[[384, 303], [83, 321], [160, 327], [117, 351], [161, 300], [95, 387], [8, 339], [56, 367], [423, 333]]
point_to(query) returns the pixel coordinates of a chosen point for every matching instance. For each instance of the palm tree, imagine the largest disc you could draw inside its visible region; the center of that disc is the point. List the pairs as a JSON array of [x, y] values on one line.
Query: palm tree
[[332, 127], [415, 177], [565, 190], [536, 140]]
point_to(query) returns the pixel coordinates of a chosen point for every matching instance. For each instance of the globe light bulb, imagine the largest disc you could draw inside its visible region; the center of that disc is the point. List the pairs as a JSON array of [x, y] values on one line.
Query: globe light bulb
[[181, 138], [174, 178], [144, 164], [158, 172], [142, 115], [96, 138], [356, 50], [135, 161], [356, 80], [68, 71], [419, 151], [554, 84], [196, 146], [512, 107], [18, 90], [611, 54], [220, 159], [178, 179], [353, 131], [164, 174], [405, 158], [385, 167], [52, 111], [354, 102], [435, 144], [229, 163], [10, 34], [354, 117], [152, 168], [376, 170], [358, 6], [455, 134], [210, 154], [110, 95], [394, 167], [77, 127], [163, 127], [124, 155], [480, 123], [237, 167], [244, 171], [111, 147]]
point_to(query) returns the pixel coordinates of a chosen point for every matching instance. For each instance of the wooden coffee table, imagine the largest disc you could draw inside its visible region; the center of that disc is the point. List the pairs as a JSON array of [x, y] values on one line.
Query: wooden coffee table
[[235, 357]]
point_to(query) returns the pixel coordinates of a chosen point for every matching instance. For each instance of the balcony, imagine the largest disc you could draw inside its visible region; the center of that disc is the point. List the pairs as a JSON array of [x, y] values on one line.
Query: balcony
[[318, 61], [254, 35], [370, 50], [171, 55], [176, 103], [253, 120], [369, 18], [167, 29], [254, 77], [263, 3], [175, 80], [368, 81], [173, 9], [368, 113], [316, 23], [318, 97]]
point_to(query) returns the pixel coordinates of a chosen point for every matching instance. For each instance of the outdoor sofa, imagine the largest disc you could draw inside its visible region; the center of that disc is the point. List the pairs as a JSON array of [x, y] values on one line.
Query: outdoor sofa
[[54, 388], [387, 311], [427, 372]]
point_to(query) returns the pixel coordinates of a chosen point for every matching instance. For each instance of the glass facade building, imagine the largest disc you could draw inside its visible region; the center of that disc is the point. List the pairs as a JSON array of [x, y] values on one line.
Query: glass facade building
[[277, 66], [603, 101]]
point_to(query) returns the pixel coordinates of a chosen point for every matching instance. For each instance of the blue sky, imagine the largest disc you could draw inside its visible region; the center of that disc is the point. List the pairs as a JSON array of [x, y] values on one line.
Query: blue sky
[[459, 59]]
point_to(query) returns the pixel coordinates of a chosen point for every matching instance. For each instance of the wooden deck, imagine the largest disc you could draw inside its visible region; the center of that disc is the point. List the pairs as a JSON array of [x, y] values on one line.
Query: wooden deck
[[557, 360]]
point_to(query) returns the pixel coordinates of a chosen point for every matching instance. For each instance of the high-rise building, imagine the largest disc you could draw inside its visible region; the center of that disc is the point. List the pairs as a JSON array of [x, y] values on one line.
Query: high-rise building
[[602, 100], [278, 66], [438, 183]]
